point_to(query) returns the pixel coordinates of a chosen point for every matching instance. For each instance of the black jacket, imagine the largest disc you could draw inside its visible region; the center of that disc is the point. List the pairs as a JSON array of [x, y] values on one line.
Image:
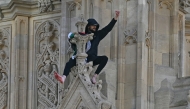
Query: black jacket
[[98, 36]]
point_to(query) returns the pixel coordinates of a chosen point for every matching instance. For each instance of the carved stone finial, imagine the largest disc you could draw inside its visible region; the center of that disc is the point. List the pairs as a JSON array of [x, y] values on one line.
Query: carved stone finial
[[80, 42], [81, 24], [80, 28]]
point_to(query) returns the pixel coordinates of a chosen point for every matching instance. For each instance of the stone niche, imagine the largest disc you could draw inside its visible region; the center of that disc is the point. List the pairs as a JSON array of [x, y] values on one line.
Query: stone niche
[[47, 61]]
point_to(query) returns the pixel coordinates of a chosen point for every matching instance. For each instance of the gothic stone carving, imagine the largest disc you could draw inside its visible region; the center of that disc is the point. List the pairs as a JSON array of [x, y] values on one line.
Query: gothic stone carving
[[167, 3], [47, 46], [80, 28], [81, 41], [93, 89], [74, 4], [81, 105], [81, 24], [45, 5], [130, 35], [4, 65], [148, 39], [184, 3]]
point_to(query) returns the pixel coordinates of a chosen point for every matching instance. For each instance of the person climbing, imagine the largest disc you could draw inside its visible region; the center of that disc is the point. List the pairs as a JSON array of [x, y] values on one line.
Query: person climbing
[[91, 49]]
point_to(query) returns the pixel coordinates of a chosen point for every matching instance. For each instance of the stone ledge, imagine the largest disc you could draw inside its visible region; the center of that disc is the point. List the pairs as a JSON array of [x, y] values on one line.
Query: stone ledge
[[25, 8]]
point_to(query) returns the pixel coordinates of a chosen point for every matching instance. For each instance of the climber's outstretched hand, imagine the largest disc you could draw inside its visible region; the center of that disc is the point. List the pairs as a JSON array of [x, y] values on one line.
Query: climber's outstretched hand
[[117, 13]]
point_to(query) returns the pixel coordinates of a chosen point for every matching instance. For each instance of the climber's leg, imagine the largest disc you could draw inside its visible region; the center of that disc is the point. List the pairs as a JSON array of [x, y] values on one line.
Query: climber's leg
[[101, 61], [71, 63], [68, 66]]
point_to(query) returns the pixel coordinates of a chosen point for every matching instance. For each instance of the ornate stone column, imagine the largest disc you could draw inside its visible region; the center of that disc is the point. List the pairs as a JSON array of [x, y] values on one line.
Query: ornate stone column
[[80, 42]]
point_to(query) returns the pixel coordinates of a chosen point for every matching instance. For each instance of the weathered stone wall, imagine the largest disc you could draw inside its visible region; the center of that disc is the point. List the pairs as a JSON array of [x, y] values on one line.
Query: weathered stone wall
[[148, 52]]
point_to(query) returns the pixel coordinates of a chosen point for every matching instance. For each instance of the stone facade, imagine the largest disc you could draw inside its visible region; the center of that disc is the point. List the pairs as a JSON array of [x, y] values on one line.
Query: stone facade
[[148, 50]]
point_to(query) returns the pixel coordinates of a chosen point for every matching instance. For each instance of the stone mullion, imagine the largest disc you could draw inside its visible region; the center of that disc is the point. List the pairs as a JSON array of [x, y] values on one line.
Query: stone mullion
[[21, 57], [112, 47], [88, 8], [152, 53], [63, 36], [120, 57], [113, 42], [120, 78], [31, 81], [13, 67], [105, 19], [150, 70], [174, 35], [141, 102], [182, 68]]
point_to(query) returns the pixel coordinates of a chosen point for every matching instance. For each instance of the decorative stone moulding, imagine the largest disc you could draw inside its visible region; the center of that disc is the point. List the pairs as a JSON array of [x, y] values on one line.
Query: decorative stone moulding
[[148, 39], [130, 35], [45, 5], [28, 8], [75, 3], [81, 24], [168, 3], [184, 3], [4, 67], [47, 59]]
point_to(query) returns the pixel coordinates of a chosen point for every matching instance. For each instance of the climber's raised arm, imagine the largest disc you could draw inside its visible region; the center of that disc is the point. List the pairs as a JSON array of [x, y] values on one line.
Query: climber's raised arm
[[104, 31]]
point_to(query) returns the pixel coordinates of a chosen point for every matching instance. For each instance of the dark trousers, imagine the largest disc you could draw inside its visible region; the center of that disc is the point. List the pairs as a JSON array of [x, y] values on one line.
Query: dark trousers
[[100, 60]]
